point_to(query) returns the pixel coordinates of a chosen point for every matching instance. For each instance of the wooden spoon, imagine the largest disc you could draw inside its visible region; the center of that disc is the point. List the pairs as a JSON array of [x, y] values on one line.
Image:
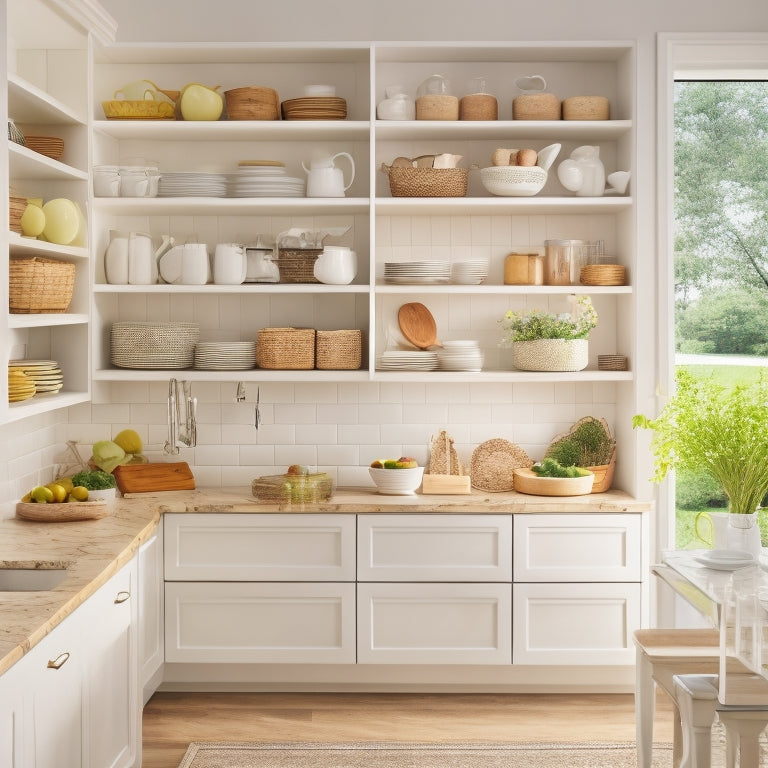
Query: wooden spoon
[[418, 325]]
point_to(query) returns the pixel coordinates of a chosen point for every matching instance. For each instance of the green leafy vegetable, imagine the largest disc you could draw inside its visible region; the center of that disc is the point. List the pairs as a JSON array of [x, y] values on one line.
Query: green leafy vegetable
[[94, 480], [550, 467]]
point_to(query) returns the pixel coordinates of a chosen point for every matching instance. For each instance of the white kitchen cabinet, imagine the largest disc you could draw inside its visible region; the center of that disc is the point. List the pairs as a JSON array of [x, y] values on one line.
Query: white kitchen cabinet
[[427, 623], [151, 614], [112, 706], [47, 88], [11, 719]]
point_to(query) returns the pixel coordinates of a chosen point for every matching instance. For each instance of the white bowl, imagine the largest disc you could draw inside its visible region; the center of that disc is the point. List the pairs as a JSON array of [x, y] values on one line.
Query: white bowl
[[397, 482], [103, 494], [320, 90], [513, 180]]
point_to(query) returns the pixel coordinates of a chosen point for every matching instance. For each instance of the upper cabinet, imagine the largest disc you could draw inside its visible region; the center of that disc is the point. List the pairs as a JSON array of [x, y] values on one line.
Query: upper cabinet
[[47, 298], [381, 228]]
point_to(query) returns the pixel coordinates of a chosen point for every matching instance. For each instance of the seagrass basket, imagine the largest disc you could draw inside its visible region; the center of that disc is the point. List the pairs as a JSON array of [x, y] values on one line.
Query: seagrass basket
[[16, 207], [286, 349], [39, 285], [339, 350], [297, 265], [427, 182]]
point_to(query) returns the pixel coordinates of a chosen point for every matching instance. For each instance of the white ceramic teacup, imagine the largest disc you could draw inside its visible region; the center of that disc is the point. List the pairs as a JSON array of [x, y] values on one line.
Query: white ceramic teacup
[[195, 264], [229, 264], [336, 265]]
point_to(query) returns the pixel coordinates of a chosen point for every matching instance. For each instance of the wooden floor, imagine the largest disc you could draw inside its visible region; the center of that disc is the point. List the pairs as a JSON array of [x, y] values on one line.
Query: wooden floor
[[172, 720]]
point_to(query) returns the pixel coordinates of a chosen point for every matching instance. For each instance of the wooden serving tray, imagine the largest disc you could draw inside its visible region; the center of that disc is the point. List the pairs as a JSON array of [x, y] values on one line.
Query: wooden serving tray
[[61, 513], [527, 481], [446, 484], [158, 476]]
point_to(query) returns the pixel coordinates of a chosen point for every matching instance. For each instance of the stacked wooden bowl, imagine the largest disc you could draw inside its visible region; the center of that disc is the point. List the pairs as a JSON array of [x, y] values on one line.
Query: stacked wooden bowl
[[252, 102], [603, 274], [50, 146]]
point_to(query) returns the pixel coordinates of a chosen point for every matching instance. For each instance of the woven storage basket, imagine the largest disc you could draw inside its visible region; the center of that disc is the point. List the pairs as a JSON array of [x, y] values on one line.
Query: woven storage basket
[[16, 207], [586, 108], [297, 265], [603, 274], [286, 348], [439, 106], [252, 102], [339, 350], [536, 106], [428, 182], [39, 285], [154, 345]]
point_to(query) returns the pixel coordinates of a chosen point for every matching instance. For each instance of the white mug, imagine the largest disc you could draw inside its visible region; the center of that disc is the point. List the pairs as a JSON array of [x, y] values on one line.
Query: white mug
[[336, 265], [195, 264], [229, 264]]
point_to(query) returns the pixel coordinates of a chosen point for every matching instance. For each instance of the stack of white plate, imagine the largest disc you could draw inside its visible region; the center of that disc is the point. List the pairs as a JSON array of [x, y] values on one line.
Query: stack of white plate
[[192, 185], [264, 178], [417, 272], [461, 355], [45, 374], [406, 360], [469, 272], [225, 355]]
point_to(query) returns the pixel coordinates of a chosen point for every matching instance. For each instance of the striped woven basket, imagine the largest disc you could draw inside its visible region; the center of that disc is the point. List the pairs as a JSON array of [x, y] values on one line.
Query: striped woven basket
[[39, 285]]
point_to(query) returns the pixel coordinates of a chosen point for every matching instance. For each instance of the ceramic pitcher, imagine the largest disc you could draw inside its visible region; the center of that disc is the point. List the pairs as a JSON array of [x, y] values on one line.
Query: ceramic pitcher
[[324, 179]]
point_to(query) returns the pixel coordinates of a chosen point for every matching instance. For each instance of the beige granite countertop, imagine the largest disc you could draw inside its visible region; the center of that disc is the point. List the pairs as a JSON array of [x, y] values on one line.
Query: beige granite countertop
[[93, 550]]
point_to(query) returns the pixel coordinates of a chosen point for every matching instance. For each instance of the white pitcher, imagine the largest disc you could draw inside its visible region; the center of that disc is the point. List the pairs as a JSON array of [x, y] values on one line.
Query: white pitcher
[[143, 257], [116, 258], [230, 264], [583, 173], [324, 179]]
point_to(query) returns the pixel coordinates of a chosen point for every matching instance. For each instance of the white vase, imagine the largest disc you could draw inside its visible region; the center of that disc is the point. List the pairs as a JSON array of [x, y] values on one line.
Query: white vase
[[551, 355], [744, 533]]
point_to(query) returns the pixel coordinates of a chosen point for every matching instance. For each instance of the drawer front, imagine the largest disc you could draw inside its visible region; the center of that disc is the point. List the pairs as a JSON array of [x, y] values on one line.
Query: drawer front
[[245, 547], [434, 624], [260, 623], [575, 623], [576, 547], [434, 548]]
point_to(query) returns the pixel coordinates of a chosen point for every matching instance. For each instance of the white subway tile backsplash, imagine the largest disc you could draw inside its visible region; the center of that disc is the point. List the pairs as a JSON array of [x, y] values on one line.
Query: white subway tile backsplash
[[239, 434], [337, 414], [285, 455], [358, 434], [381, 413], [296, 413], [216, 455], [251, 455], [323, 392], [316, 434]]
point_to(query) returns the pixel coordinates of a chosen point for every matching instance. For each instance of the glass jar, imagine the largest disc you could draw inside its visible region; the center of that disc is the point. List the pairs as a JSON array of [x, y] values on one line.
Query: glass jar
[[559, 260]]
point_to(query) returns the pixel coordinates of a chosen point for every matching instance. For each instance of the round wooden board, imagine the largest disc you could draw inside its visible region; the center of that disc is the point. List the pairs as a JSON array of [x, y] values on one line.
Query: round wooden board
[[527, 481], [417, 325], [61, 513]]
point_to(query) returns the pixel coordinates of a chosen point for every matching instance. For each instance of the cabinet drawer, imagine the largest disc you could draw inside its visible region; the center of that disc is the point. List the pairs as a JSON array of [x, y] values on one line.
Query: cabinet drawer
[[434, 548], [260, 623], [575, 623], [244, 547], [570, 547], [434, 624]]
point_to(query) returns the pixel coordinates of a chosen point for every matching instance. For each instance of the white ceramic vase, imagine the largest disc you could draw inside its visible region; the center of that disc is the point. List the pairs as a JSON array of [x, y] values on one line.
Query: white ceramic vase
[[744, 533]]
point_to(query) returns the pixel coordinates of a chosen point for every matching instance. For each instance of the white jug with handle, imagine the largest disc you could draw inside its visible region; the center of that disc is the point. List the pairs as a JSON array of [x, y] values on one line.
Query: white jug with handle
[[324, 179], [583, 172], [116, 258], [143, 257]]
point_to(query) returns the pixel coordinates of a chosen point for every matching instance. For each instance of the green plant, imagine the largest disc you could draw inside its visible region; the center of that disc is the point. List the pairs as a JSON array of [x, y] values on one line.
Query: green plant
[[588, 444], [533, 325], [552, 468], [94, 480], [724, 432]]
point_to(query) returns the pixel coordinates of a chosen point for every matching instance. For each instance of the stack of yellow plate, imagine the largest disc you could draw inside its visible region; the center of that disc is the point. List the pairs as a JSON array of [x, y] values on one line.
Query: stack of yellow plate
[[20, 386], [44, 374]]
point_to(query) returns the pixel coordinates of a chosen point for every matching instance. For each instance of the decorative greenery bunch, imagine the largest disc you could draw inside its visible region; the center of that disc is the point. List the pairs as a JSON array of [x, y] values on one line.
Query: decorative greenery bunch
[[723, 432], [588, 444], [535, 324]]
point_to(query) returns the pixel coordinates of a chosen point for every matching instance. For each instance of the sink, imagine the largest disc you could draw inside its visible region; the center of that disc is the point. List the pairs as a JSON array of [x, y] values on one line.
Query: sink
[[30, 579]]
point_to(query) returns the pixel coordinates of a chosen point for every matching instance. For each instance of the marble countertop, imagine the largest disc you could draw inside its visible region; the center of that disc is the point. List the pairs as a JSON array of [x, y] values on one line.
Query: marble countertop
[[94, 550]]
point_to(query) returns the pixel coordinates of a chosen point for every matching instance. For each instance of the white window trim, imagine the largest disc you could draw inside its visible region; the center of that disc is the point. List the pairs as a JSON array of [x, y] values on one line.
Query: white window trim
[[692, 57]]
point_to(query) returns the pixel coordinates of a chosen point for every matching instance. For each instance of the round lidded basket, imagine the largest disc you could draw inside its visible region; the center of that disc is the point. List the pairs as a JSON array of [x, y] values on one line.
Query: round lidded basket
[[536, 106], [427, 182], [513, 180], [253, 102], [339, 350], [286, 348], [437, 106], [586, 108], [478, 106]]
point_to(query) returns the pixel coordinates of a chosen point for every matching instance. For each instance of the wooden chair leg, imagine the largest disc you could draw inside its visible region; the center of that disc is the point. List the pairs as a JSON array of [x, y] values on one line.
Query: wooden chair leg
[[697, 704], [743, 731], [645, 704]]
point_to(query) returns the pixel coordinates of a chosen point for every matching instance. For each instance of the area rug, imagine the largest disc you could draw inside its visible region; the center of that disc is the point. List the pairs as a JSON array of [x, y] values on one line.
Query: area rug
[[417, 755]]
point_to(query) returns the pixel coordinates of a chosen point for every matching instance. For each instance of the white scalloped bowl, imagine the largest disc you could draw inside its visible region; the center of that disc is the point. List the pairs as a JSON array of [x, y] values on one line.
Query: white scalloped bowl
[[513, 180], [397, 482]]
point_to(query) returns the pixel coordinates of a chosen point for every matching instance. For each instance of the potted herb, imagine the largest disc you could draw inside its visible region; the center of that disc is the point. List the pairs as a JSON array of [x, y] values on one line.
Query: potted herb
[[543, 341], [723, 432], [590, 445], [100, 485]]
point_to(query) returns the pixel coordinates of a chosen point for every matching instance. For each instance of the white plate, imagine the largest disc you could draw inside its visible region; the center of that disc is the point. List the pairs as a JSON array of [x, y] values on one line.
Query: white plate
[[725, 559]]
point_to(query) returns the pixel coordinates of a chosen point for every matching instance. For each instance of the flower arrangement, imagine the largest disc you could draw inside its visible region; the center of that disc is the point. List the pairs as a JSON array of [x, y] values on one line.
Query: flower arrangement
[[535, 324], [723, 432]]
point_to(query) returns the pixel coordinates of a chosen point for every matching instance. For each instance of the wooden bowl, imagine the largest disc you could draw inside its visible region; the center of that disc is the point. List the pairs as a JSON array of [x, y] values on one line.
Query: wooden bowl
[[527, 481]]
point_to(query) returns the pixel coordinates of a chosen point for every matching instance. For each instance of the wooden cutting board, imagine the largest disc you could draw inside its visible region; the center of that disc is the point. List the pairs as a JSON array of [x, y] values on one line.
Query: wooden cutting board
[[160, 476], [418, 325]]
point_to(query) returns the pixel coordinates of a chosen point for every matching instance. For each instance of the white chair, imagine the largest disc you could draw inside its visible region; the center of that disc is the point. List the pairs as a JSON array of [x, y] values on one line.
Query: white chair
[[697, 702]]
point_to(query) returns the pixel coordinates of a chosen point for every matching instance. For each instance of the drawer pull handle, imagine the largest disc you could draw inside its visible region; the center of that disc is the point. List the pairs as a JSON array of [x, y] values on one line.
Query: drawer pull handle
[[122, 596], [59, 661]]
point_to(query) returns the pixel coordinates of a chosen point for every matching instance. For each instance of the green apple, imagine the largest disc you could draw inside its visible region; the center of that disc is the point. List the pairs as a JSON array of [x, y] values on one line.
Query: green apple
[[199, 102]]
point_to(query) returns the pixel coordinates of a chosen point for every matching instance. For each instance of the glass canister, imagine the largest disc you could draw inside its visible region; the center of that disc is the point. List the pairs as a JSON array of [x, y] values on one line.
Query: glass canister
[[559, 258]]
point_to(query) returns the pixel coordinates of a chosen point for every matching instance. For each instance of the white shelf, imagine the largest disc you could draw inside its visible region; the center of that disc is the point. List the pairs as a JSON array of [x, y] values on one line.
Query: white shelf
[[505, 376], [29, 104], [245, 288], [255, 374], [43, 403], [447, 206], [501, 130], [46, 319], [27, 164], [29, 246], [492, 290]]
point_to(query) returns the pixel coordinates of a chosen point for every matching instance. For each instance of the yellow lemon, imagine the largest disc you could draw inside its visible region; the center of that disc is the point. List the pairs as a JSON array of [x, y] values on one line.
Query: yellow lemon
[[79, 493], [26, 498], [65, 483], [41, 494], [59, 492], [129, 441]]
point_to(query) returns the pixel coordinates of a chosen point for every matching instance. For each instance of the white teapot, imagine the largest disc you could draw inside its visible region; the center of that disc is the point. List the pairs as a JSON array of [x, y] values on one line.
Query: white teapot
[[324, 179], [583, 173]]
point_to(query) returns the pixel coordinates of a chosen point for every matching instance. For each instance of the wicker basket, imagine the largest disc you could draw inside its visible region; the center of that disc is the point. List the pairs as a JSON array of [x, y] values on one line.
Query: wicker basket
[[39, 285], [160, 346], [586, 108], [427, 182], [252, 103], [478, 106], [339, 350], [16, 207], [297, 265], [286, 349], [536, 106]]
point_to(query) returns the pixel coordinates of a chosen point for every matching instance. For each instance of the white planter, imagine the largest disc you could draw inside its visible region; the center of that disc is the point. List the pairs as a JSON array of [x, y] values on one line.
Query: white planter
[[551, 355], [104, 494]]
